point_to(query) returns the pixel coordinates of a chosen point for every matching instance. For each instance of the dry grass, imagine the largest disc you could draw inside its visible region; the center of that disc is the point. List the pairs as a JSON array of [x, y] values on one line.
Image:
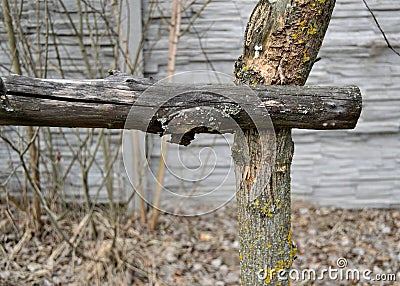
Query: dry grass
[[185, 251]]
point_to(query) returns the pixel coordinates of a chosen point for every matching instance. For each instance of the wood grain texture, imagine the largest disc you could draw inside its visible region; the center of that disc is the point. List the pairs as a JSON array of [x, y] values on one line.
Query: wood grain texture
[[106, 103]]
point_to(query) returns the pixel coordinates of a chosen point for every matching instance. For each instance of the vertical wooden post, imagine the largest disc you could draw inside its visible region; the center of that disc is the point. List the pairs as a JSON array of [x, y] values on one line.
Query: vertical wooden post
[[280, 47]]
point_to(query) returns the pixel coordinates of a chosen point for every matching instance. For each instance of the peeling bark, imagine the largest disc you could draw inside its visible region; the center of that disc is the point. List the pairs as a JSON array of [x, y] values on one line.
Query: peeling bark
[[281, 44]]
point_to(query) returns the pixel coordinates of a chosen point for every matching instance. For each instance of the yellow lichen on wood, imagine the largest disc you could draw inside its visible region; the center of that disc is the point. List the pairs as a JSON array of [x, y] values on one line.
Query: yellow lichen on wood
[[312, 30], [305, 57]]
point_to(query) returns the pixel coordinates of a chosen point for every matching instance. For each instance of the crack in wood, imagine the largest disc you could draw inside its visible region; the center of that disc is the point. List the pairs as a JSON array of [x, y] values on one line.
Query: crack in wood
[[5, 104]]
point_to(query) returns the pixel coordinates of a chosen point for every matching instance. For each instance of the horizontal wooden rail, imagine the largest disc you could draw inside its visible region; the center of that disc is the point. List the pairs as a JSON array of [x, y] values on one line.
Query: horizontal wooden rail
[[106, 103]]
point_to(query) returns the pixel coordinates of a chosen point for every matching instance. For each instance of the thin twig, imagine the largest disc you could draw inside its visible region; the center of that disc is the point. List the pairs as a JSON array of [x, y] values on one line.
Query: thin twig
[[380, 28]]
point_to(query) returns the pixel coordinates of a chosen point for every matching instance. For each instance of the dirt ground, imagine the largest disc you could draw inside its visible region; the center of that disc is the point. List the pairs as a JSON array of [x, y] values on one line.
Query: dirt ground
[[192, 251]]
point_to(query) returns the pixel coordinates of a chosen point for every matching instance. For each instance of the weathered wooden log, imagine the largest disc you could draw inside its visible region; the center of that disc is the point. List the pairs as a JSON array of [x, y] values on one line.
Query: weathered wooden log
[[106, 103], [281, 44]]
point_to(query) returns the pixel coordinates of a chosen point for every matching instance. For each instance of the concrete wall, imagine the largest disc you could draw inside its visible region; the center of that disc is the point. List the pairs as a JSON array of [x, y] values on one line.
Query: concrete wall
[[360, 167], [357, 168]]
